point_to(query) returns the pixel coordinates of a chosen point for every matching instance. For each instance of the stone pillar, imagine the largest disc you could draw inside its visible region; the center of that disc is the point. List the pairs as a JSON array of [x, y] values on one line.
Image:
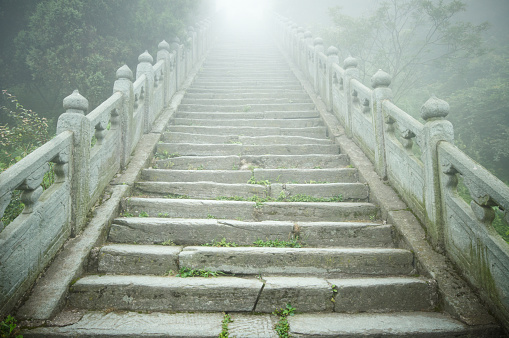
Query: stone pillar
[[318, 45], [192, 35], [436, 129], [74, 119], [332, 58], [351, 72], [299, 43], [175, 46], [124, 84], [163, 53], [381, 92], [145, 68]]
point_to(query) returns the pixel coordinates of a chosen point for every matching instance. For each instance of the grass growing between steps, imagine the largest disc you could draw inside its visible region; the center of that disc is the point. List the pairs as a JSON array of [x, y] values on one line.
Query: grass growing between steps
[[282, 198], [282, 327], [222, 243], [276, 243], [188, 272], [8, 328], [226, 320]]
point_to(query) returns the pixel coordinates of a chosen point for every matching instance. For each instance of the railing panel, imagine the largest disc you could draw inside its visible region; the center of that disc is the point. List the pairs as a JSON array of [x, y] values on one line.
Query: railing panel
[[470, 239], [338, 93], [363, 127], [139, 88], [158, 91]]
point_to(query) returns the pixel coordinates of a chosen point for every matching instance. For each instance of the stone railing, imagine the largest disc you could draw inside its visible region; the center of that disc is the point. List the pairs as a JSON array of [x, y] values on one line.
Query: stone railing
[[87, 152], [419, 160]]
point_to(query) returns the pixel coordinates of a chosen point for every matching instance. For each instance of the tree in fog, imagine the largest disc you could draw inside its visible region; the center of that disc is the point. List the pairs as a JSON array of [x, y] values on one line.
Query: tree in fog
[[405, 38]]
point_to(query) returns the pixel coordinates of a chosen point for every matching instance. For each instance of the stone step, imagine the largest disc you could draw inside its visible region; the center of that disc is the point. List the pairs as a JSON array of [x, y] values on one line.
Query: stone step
[[303, 114], [147, 230], [177, 137], [249, 162], [243, 107], [244, 101], [245, 87], [403, 324], [265, 123], [318, 131], [191, 149], [246, 82], [337, 262], [241, 91], [209, 325], [210, 190], [283, 95], [295, 176], [251, 211]]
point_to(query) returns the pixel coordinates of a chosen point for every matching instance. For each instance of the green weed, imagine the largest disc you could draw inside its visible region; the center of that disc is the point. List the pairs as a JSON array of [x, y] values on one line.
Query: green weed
[[276, 243], [226, 320], [188, 272], [222, 243], [282, 327], [8, 328]]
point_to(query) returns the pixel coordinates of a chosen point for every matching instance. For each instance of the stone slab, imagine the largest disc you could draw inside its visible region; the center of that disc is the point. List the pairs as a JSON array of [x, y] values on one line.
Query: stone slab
[[196, 231], [138, 259], [348, 191], [386, 294], [331, 175], [342, 234], [248, 131], [307, 294], [133, 324], [191, 149], [201, 190], [153, 293], [231, 139], [279, 123], [413, 324], [309, 161], [219, 176], [290, 261], [244, 113], [252, 326], [202, 162]]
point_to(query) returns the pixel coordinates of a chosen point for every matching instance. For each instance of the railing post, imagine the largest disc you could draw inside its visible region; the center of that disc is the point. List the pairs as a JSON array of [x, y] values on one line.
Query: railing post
[[332, 57], [381, 92], [318, 44], [175, 46], [192, 36], [351, 72], [145, 67], [436, 129], [74, 120], [124, 84], [163, 53]]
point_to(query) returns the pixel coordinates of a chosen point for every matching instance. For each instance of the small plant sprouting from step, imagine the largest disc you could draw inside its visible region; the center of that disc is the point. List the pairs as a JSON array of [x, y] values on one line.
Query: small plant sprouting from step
[[8, 328], [334, 292], [127, 214], [164, 155], [282, 327], [209, 216], [222, 243], [276, 243], [143, 214], [226, 320], [188, 272], [168, 242], [176, 196], [246, 109], [163, 215], [253, 180]]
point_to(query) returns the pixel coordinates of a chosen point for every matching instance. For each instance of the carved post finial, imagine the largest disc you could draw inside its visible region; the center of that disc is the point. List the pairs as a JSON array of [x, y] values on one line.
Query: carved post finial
[[381, 79], [434, 108], [163, 45], [318, 42], [124, 72], [75, 103], [145, 57]]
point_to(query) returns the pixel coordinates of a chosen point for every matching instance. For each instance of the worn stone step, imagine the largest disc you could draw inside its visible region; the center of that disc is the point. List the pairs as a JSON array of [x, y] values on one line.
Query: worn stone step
[[176, 137], [318, 131], [246, 82], [209, 325], [281, 123], [243, 101], [292, 261], [250, 115], [212, 190], [234, 162], [403, 324], [283, 95], [251, 211], [246, 87], [191, 149], [242, 91], [158, 293], [263, 176], [148, 230], [243, 107], [135, 324]]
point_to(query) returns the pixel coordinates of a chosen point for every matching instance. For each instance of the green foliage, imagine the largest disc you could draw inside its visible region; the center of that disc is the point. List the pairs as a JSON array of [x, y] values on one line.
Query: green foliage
[[188, 272], [253, 180], [143, 214], [276, 243], [164, 155], [226, 320], [222, 243], [282, 327], [8, 328]]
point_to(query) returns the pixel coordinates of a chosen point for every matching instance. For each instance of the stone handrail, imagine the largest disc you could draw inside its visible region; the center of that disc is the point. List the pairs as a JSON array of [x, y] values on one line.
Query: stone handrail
[[86, 154], [419, 160]]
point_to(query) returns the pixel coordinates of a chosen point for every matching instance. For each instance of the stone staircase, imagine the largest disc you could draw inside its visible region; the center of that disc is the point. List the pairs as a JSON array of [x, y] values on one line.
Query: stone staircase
[[246, 166]]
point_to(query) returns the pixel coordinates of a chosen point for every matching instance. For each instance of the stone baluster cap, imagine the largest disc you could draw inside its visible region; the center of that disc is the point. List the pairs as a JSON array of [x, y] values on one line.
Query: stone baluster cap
[[163, 45], [318, 41], [146, 57], [350, 62], [380, 79], [332, 51], [434, 108], [307, 34], [124, 72], [75, 103]]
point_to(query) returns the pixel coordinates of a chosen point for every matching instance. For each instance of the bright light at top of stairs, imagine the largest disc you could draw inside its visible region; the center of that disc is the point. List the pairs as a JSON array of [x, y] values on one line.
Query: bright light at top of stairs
[[243, 11]]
